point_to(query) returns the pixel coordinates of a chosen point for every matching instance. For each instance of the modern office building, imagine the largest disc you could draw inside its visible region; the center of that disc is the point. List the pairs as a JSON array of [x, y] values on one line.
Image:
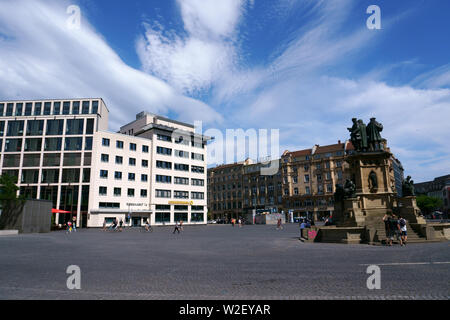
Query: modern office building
[[61, 150]]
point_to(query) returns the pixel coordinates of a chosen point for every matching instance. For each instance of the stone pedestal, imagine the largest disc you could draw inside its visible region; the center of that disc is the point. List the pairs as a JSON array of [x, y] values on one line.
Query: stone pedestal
[[409, 210]]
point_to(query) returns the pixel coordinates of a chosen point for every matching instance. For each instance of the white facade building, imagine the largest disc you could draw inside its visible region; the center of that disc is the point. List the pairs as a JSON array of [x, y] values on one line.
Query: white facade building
[[153, 169]]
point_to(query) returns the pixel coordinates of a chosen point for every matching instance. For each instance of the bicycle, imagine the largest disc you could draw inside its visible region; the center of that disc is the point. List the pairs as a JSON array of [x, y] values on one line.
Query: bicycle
[[148, 228]]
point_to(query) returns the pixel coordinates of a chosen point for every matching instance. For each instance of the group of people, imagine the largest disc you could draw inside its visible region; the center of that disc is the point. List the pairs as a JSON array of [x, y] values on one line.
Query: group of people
[[72, 225], [395, 227], [115, 226], [239, 221]]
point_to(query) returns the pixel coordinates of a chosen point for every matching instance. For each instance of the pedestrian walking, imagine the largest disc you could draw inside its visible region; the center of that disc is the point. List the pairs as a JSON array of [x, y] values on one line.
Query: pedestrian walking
[[177, 227], [74, 223], [181, 225], [240, 222], [104, 225], [279, 226], [404, 233], [69, 227], [233, 222], [302, 227], [121, 224]]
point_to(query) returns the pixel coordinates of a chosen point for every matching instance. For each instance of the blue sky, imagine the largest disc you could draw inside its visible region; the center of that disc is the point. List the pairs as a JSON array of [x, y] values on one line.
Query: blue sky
[[305, 67]]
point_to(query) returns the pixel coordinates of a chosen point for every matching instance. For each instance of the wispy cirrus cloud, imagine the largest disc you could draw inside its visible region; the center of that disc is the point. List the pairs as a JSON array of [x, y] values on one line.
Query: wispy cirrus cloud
[[193, 59], [40, 57]]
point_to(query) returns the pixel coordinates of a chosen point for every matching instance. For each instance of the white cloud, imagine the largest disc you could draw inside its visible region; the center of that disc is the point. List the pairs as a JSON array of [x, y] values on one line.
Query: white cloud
[[195, 60], [41, 58]]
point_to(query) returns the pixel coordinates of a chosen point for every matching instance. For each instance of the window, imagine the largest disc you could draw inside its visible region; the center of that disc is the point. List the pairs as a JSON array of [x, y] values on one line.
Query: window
[[197, 169], [306, 178], [66, 107], [2, 106], [295, 179], [145, 149], [162, 137], [119, 144], [50, 176], [181, 154], [94, 107], [181, 195], [72, 160], [162, 217], [339, 173], [307, 190], [181, 167], [286, 192], [85, 107], [105, 142], [71, 175], [104, 174], [19, 109], [132, 161], [118, 175], [89, 126], [105, 157], [163, 193], [164, 165], [53, 144], [180, 180], [198, 195], [88, 143], [28, 109], [74, 126], [329, 188], [144, 177], [131, 176], [73, 143], [338, 164], [119, 160], [55, 127], [143, 193], [56, 108], [130, 192], [198, 182], [164, 151], [15, 128], [109, 205], [163, 179], [102, 191], [9, 109], [76, 107], [33, 144], [133, 146], [319, 177], [197, 156], [296, 191], [117, 192], [145, 163], [37, 108]]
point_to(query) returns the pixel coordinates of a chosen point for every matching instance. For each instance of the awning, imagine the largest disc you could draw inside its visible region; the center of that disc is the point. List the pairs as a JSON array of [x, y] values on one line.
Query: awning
[[60, 211]]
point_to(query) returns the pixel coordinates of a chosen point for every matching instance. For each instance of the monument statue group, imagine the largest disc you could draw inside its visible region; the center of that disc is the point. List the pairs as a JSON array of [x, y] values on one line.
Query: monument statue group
[[369, 192]]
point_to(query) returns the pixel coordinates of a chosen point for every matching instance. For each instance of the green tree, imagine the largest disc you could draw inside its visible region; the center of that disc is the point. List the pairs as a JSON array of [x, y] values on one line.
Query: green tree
[[428, 204], [11, 204]]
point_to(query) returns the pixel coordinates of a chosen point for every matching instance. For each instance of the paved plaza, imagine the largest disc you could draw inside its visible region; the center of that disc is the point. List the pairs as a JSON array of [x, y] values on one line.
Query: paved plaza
[[215, 262]]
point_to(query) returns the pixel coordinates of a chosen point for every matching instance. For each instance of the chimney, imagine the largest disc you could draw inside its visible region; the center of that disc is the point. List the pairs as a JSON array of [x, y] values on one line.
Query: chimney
[[339, 141]]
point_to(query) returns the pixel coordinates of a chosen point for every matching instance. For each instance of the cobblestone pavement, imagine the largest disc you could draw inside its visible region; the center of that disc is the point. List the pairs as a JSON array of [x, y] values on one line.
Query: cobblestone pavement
[[215, 262]]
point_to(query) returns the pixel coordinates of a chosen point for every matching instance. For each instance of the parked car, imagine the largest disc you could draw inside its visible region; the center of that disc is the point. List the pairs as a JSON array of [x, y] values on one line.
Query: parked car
[[212, 221]]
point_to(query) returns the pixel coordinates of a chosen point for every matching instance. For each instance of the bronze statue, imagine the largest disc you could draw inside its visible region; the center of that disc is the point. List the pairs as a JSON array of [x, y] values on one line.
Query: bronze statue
[[373, 134], [373, 181], [408, 187], [349, 189], [354, 131], [339, 193], [363, 133]]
